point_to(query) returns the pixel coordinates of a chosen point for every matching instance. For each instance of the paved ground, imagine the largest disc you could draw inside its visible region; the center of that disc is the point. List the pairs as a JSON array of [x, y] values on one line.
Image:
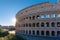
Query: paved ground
[[12, 32], [41, 38], [30, 37]]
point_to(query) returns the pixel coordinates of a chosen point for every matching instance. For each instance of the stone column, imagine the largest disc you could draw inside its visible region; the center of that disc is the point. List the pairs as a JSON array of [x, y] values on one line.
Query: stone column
[[55, 33], [45, 33], [50, 33], [40, 32]]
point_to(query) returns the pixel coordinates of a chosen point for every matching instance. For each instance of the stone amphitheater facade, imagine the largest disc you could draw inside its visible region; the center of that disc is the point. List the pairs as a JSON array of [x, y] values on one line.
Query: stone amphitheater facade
[[41, 19]]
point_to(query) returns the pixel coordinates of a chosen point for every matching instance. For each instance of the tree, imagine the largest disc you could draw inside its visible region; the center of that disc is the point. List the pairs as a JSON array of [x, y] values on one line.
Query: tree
[[3, 33]]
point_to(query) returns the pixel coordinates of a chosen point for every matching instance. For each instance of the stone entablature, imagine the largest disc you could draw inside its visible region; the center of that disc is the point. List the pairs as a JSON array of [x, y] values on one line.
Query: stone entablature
[[40, 8]]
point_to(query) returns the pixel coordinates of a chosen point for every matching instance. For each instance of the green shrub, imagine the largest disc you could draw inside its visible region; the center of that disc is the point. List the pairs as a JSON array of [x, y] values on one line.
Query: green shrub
[[14, 37], [3, 33]]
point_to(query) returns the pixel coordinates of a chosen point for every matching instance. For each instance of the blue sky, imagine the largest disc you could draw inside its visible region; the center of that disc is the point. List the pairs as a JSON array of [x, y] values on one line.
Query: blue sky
[[9, 9]]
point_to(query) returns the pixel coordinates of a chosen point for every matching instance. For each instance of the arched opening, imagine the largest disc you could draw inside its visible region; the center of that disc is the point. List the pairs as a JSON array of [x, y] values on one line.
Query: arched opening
[[33, 32], [42, 32], [47, 33], [42, 24], [42, 16], [58, 33], [37, 32], [47, 24], [58, 24], [37, 24], [33, 17], [29, 31], [37, 17], [52, 15], [33, 24], [30, 18], [57, 15], [26, 17], [53, 24], [53, 33], [47, 15], [29, 24]]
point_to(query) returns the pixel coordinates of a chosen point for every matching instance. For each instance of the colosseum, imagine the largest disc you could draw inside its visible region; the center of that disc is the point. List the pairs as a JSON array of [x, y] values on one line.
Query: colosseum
[[39, 20]]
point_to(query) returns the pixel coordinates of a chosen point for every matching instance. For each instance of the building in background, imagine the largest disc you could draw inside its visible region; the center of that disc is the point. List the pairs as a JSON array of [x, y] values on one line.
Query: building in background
[[7, 28], [0, 26], [38, 20]]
